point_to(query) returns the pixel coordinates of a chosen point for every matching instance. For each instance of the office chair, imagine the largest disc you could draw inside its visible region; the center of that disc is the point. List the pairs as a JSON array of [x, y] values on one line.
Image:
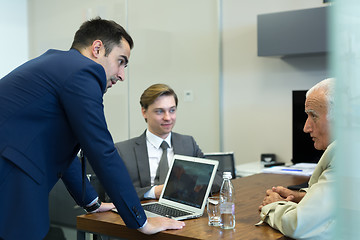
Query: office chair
[[63, 208], [96, 183], [226, 161], [55, 233]]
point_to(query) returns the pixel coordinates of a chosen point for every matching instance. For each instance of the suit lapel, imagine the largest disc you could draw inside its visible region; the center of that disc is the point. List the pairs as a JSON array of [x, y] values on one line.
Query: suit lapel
[[142, 159]]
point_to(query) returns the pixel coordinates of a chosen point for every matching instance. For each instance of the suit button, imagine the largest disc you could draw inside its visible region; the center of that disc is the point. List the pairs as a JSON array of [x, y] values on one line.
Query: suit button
[[59, 175], [136, 211]]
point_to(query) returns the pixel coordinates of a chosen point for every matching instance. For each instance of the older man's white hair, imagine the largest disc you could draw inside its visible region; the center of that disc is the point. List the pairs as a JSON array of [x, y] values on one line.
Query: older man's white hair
[[328, 88]]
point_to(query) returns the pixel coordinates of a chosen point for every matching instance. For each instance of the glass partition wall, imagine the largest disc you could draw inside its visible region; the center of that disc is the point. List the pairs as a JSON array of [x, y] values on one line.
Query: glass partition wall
[[345, 61]]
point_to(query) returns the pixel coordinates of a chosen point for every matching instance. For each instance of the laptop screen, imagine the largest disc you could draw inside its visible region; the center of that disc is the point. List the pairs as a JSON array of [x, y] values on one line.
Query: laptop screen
[[188, 182]]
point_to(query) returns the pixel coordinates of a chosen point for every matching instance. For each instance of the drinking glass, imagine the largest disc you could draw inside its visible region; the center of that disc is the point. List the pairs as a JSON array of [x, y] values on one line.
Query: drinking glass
[[213, 211]]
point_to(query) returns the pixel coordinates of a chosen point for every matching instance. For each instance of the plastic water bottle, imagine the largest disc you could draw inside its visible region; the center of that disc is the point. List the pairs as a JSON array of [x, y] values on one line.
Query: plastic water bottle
[[227, 205]]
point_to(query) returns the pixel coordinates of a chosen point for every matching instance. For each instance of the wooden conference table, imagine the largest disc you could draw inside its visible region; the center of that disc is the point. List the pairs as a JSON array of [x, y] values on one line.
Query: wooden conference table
[[249, 191]]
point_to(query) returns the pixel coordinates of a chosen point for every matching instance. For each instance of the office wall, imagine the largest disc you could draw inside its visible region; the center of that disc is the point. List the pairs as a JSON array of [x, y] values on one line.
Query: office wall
[[173, 45], [52, 24], [13, 35], [257, 91], [177, 42]]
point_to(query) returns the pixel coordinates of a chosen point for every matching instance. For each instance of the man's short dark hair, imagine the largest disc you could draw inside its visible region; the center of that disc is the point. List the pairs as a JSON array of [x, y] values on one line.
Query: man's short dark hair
[[109, 32]]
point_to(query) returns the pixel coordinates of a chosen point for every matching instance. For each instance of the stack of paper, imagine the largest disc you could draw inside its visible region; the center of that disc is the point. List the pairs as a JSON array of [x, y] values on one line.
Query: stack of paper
[[303, 169]]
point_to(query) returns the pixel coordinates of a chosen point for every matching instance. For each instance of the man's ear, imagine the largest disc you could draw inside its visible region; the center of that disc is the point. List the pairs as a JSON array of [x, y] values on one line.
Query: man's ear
[[143, 111], [96, 48]]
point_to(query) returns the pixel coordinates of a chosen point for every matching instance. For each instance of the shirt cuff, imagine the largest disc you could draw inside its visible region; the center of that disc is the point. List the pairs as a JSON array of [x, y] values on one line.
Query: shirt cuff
[[150, 194], [143, 224], [93, 202]]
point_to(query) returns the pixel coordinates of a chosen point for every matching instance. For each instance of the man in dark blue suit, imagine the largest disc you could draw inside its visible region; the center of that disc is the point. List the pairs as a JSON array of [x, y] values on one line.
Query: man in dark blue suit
[[52, 106]]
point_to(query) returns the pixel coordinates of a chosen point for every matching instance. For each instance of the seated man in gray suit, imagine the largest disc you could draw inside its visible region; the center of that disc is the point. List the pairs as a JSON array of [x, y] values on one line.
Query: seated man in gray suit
[[142, 154]]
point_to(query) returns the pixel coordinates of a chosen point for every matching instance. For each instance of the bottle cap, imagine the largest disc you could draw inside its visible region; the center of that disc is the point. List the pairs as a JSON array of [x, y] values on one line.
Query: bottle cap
[[227, 175]]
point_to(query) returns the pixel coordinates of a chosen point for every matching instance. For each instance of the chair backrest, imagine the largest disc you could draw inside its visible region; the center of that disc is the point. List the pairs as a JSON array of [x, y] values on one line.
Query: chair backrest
[[226, 161], [96, 183]]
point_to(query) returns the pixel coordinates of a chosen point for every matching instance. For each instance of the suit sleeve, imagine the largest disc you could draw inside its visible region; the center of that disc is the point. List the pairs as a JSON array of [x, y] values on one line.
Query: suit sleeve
[[72, 179], [123, 149], [141, 191], [82, 102], [197, 150]]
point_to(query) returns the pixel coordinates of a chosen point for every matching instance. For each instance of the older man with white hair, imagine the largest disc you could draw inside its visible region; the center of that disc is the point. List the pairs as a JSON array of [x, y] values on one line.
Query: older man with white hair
[[309, 213]]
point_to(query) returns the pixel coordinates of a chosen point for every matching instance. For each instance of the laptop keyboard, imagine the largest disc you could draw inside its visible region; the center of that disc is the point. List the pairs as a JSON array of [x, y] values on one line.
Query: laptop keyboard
[[164, 210]]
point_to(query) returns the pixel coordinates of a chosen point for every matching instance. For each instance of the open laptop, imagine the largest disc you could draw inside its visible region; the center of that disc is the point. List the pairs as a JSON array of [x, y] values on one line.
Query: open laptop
[[186, 188]]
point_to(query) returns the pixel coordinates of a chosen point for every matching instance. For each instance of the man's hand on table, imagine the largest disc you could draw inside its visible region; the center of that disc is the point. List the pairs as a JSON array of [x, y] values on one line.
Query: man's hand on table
[[158, 224], [280, 193], [290, 195]]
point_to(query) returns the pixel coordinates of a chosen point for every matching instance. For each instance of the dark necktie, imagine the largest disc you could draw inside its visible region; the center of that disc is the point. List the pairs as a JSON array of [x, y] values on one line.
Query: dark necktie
[[163, 167]]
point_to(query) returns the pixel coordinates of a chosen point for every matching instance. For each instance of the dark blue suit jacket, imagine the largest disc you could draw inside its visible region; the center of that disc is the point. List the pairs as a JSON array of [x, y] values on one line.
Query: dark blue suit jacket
[[49, 107]]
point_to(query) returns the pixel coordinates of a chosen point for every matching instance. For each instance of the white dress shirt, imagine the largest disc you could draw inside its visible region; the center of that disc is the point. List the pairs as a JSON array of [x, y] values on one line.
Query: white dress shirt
[[153, 143]]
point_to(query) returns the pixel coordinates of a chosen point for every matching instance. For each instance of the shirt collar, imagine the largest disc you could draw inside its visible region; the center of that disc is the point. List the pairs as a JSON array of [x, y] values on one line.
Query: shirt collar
[[156, 140]]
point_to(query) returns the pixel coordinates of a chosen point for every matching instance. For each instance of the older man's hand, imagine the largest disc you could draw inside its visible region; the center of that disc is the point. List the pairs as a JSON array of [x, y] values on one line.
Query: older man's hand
[[271, 197], [289, 195]]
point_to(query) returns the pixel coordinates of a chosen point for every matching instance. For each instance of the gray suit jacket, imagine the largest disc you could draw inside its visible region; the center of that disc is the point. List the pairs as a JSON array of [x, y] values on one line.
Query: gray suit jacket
[[135, 156]]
